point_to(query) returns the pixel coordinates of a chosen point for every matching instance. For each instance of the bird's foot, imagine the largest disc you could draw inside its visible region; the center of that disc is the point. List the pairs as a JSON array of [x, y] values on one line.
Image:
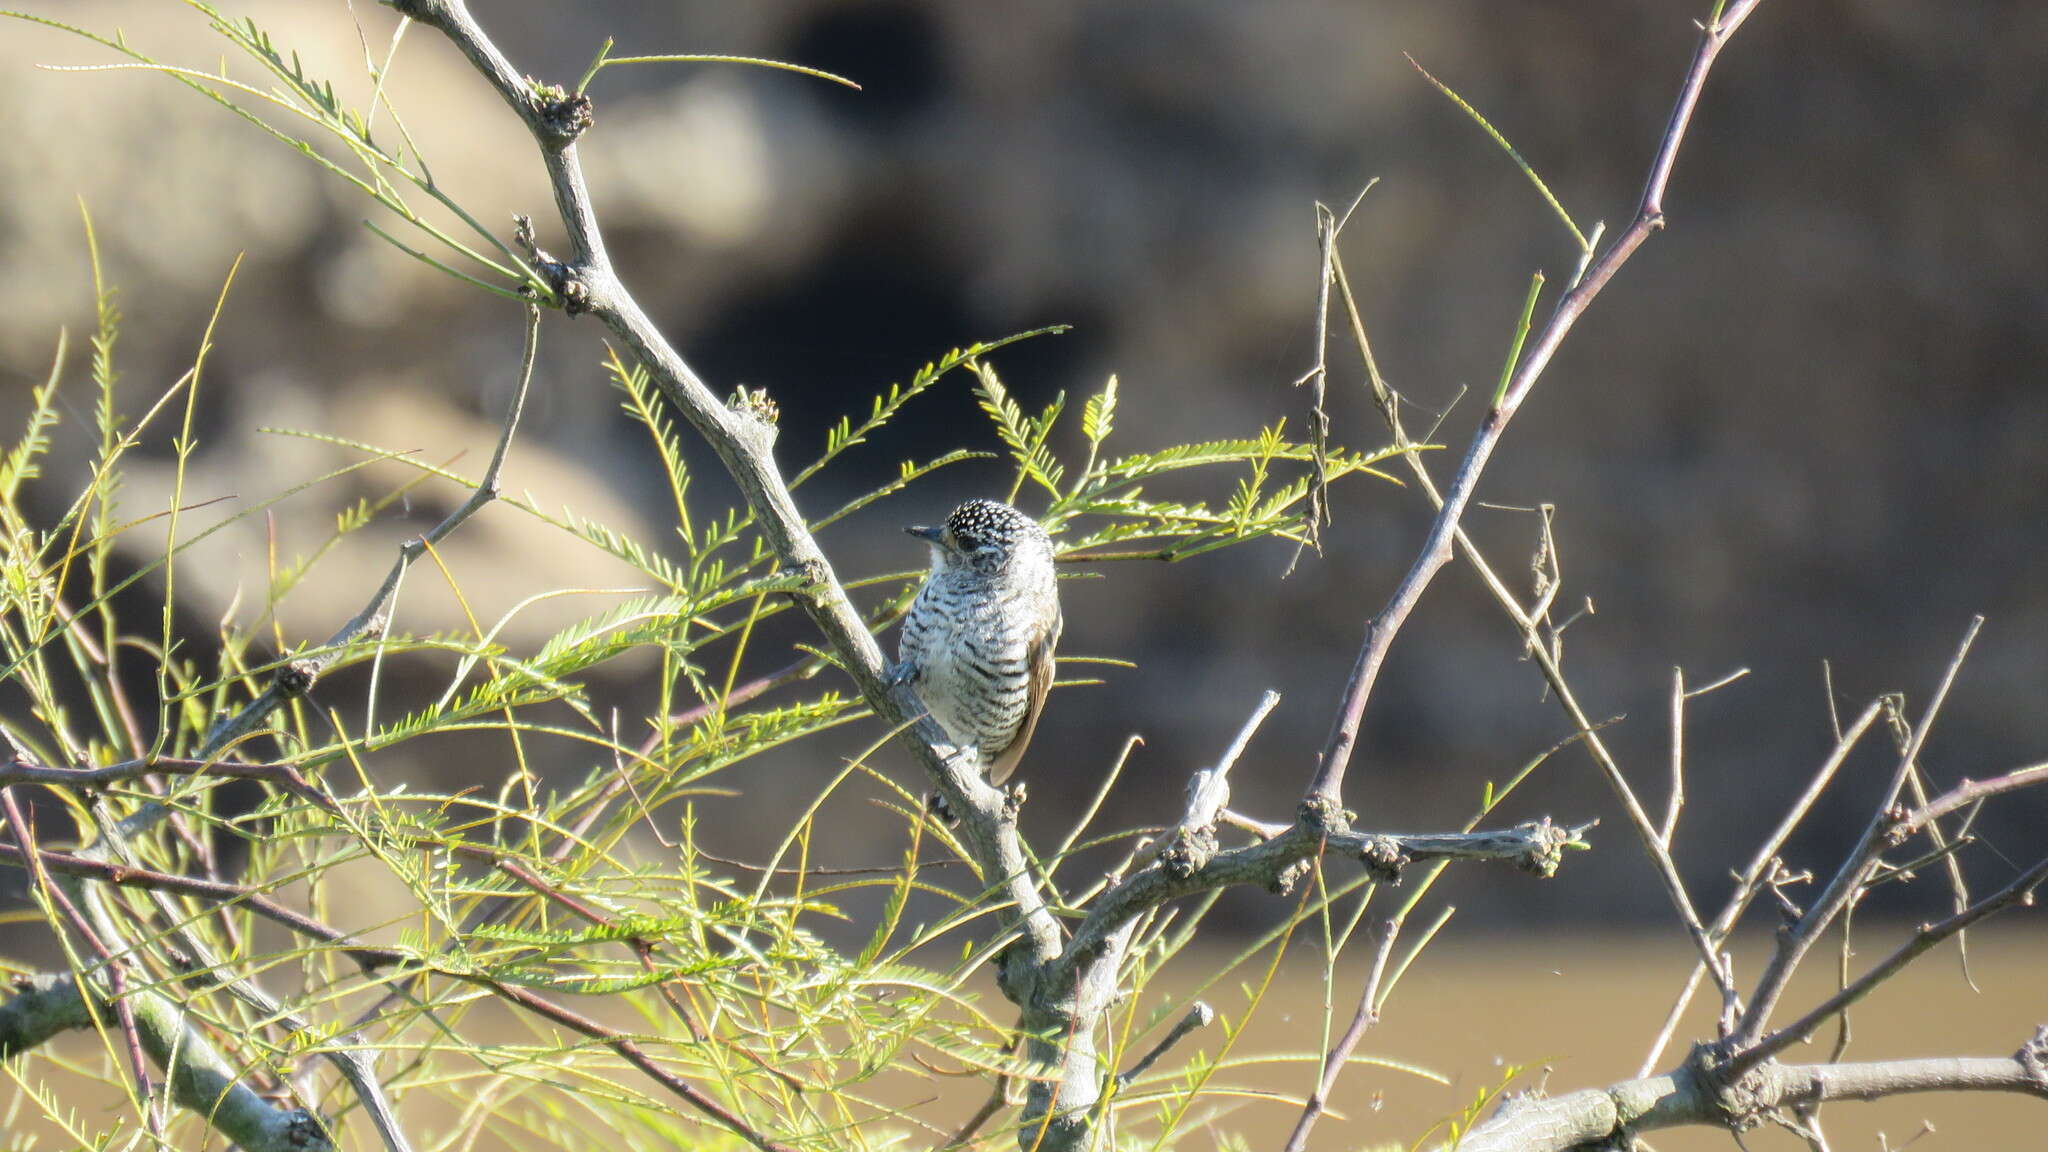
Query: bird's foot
[[901, 674]]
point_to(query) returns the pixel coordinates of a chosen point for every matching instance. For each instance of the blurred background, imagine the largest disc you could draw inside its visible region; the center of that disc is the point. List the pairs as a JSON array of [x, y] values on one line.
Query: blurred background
[[1804, 425]]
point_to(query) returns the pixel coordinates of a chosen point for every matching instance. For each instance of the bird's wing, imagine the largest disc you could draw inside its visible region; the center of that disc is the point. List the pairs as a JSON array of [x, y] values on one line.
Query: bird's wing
[[1039, 660]]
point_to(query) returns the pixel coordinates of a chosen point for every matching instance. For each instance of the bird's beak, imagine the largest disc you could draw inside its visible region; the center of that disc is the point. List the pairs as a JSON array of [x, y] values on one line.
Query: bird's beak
[[926, 534]]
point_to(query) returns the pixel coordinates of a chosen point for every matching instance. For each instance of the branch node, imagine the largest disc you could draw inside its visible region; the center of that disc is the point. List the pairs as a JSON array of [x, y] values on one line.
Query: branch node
[[1546, 848], [2033, 1057], [563, 279], [1323, 816], [562, 115], [295, 678], [757, 413], [1743, 1098], [303, 1130], [427, 12], [1284, 880], [813, 576], [1383, 859], [1188, 851]]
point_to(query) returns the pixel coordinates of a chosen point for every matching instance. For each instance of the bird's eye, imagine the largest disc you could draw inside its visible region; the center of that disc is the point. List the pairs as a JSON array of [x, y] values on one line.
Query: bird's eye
[[966, 541]]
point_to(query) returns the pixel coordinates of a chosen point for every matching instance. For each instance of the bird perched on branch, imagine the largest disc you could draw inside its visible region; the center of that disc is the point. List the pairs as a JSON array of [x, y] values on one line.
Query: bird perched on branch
[[978, 643]]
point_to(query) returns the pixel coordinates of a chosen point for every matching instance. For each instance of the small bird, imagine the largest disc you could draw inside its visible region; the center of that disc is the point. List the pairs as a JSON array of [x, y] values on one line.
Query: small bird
[[978, 643]]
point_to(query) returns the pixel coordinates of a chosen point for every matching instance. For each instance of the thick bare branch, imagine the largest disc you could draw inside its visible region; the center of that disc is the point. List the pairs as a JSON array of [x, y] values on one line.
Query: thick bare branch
[[1685, 1097], [202, 1081], [1328, 781], [1437, 549]]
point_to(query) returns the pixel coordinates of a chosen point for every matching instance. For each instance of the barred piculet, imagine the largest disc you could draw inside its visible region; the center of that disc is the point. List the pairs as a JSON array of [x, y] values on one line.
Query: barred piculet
[[978, 642]]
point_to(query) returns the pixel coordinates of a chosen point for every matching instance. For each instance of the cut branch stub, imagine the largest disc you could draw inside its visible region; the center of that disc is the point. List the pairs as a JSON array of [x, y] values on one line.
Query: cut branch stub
[[2033, 1056], [295, 677], [1286, 878], [568, 287]]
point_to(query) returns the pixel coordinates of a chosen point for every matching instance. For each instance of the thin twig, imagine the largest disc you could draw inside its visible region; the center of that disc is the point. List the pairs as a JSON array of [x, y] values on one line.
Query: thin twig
[[1677, 800], [68, 864], [1679, 695], [1971, 792], [1199, 1015], [1752, 880], [1546, 655], [370, 958], [1363, 1018], [348, 1053], [31, 853], [1959, 888], [2019, 892], [297, 677], [801, 669], [1328, 781], [1848, 880], [999, 1094], [644, 949]]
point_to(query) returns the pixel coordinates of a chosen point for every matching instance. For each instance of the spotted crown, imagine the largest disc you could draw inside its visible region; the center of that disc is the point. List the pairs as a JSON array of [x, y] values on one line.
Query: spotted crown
[[979, 523]]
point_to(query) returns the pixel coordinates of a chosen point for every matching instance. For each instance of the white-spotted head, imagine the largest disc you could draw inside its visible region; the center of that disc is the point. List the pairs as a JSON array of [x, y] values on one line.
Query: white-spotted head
[[986, 536]]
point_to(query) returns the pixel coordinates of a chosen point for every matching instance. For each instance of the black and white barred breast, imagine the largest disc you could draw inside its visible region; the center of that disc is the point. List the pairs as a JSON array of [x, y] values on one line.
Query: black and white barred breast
[[981, 633], [970, 644]]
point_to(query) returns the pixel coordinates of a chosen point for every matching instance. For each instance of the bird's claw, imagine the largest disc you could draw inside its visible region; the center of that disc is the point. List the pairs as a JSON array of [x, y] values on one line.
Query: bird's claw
[[901, 674]]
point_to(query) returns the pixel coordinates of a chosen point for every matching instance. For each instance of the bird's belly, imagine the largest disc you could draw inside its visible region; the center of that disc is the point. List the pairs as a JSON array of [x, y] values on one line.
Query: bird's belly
[[975, 684]]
